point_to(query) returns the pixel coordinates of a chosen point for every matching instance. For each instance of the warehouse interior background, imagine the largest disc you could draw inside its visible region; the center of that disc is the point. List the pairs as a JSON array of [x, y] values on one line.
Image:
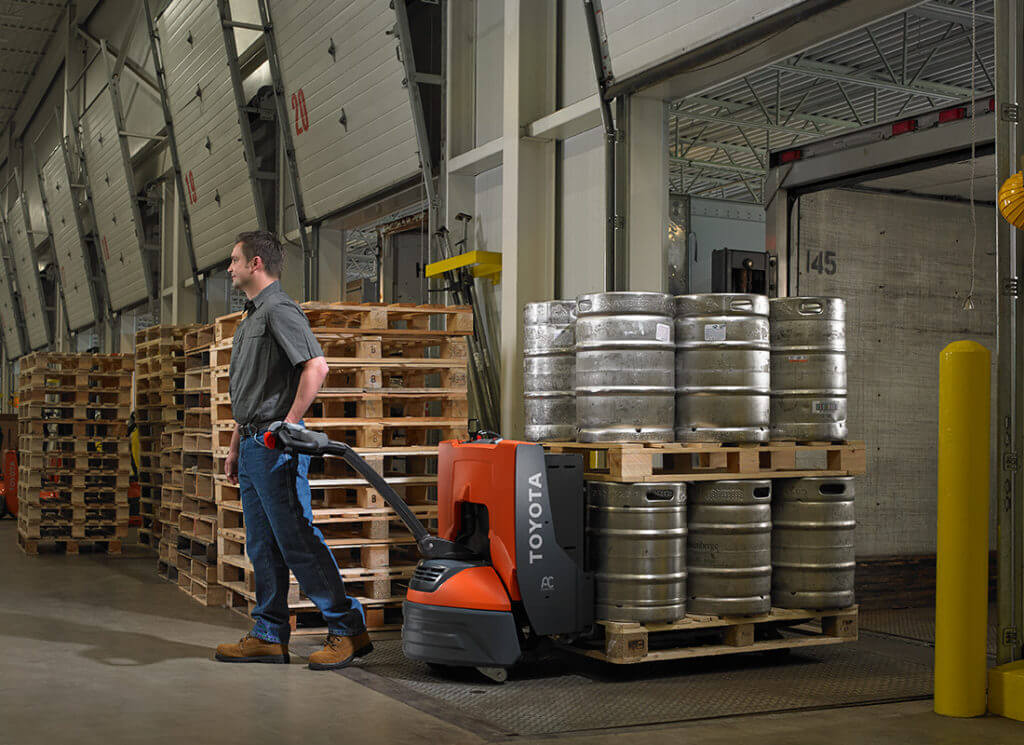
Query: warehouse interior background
[[846, 148]]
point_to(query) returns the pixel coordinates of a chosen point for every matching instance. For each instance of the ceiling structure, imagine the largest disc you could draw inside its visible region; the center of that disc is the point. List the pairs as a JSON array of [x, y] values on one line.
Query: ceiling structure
[[26, 27], [906, 64]]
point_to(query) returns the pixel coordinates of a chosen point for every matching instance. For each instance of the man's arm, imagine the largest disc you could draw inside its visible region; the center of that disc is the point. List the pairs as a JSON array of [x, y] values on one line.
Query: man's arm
[[231, 464], [314, 371]]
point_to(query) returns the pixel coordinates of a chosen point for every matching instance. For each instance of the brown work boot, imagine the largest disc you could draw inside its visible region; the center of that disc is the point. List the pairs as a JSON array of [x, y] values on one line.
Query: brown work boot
[[251, 649], [339, 651]]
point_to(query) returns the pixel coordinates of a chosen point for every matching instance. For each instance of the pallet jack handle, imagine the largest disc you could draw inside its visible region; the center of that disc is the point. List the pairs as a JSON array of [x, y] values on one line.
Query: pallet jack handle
[[294, 438]]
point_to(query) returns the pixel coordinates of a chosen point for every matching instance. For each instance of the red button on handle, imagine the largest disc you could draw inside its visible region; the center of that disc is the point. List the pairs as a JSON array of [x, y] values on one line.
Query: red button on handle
[[269, 440]]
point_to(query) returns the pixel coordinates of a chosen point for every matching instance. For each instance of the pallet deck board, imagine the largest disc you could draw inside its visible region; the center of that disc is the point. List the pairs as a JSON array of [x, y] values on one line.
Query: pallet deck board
[[630, 643], [711, 461]]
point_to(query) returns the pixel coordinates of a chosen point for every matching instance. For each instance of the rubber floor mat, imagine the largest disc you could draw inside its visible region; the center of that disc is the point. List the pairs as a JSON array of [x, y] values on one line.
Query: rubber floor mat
[[562, 692]]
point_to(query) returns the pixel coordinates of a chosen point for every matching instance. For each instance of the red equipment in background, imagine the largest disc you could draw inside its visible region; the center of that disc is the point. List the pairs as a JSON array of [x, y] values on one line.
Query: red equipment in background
[[10, 484]]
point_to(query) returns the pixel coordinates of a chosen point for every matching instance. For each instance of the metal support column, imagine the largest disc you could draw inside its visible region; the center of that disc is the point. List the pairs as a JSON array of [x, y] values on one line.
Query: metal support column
[[311, 261], [228, 27], [198, 280], [53, 248], [614, 222], [419, 120], [1010, 335], [777, 237], [113, 87], [528, 188], [7, 264], [645, 207]]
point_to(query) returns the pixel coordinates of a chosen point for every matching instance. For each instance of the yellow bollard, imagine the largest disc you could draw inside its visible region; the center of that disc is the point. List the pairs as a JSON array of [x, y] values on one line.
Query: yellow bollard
[[961, 592]]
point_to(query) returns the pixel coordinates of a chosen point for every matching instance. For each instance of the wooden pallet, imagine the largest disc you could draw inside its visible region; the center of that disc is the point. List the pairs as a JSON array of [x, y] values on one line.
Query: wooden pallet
[[349, 552], [632, 462], [383, 618], [198, 338], [342, 344], [73, 513], [50, 361], [711, 636], [371, 433], [37, 546], [373, 316]]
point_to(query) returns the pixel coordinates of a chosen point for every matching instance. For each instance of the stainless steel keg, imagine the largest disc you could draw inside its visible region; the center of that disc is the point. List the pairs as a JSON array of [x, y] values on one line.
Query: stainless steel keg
[[808, 336], [728, 554], [625, 373], [813, 555], [549, 370], [722, 368], [636, 536]]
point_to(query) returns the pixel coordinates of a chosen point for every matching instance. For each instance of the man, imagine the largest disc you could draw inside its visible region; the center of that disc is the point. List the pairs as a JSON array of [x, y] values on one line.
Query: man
[[277, 367]]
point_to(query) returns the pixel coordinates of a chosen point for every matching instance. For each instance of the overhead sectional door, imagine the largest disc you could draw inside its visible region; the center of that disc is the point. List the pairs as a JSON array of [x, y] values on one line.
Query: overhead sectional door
[[218, 190], [33, 305], [8, 314], [68, 244], [114, 202], [644, 33], [351, 121]]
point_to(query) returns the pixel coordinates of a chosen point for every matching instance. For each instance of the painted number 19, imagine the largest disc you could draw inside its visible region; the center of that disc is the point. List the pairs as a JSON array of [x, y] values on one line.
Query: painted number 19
[[301, 115], [822, 262]]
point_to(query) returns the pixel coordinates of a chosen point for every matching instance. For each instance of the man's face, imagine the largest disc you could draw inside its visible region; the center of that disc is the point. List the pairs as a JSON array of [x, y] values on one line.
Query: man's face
[[240, 268]]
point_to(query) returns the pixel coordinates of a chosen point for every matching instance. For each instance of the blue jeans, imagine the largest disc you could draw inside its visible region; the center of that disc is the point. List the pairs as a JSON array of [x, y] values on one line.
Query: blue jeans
[[280, 535]]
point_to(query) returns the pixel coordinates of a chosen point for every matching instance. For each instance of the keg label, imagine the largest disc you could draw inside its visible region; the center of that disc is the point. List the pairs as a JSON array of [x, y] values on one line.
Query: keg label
[[705, 548], [663, 332], [714, 332], [727, 496], [796, 358], [824, 407]]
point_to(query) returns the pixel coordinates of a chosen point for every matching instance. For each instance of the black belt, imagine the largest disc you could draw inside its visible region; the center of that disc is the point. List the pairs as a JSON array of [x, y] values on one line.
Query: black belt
[[251, 430]]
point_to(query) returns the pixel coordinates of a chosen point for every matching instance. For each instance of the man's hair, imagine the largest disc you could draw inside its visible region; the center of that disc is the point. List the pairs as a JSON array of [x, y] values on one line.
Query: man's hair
[[264, 244]]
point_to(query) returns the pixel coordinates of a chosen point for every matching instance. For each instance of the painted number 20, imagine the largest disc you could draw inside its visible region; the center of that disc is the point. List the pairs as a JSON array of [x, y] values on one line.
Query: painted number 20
[[301, 115], [822, 262], [190, 185]]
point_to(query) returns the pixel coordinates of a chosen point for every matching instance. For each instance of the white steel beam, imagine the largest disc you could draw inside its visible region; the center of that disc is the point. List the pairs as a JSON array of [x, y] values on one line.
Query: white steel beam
[[646, 210], [528, 188]]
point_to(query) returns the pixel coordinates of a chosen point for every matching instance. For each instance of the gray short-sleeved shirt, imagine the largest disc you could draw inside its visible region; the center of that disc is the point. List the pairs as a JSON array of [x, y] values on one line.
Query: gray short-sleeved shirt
[[269, 347]]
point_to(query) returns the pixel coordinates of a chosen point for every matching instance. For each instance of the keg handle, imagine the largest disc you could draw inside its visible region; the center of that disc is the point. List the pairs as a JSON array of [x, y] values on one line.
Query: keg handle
[[811, 308], [741, 304], [762, 492], [659, 495], [832, 489]]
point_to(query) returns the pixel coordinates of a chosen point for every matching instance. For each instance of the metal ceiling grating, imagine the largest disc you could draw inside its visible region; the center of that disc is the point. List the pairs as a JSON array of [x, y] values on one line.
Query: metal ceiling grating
[[905, 64]]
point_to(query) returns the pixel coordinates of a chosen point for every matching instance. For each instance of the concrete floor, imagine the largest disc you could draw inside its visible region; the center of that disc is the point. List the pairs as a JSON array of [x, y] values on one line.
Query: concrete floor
[[102, 651]]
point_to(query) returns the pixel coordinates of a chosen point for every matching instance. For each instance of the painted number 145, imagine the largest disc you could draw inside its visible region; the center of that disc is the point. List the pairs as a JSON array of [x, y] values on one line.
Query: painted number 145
[[822, 262]]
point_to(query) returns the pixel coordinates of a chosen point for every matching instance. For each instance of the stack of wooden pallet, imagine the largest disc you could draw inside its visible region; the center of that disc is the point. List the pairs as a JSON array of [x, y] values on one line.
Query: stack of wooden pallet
[[396, 387], [159, 380], [75, 463], [192, 501]]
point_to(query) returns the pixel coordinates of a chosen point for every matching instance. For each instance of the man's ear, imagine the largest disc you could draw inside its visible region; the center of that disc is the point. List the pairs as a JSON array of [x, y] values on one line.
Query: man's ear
[[257, 263]]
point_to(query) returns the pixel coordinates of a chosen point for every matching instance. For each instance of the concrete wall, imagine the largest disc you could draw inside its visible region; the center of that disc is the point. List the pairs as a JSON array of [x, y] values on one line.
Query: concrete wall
[[903, 266]]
